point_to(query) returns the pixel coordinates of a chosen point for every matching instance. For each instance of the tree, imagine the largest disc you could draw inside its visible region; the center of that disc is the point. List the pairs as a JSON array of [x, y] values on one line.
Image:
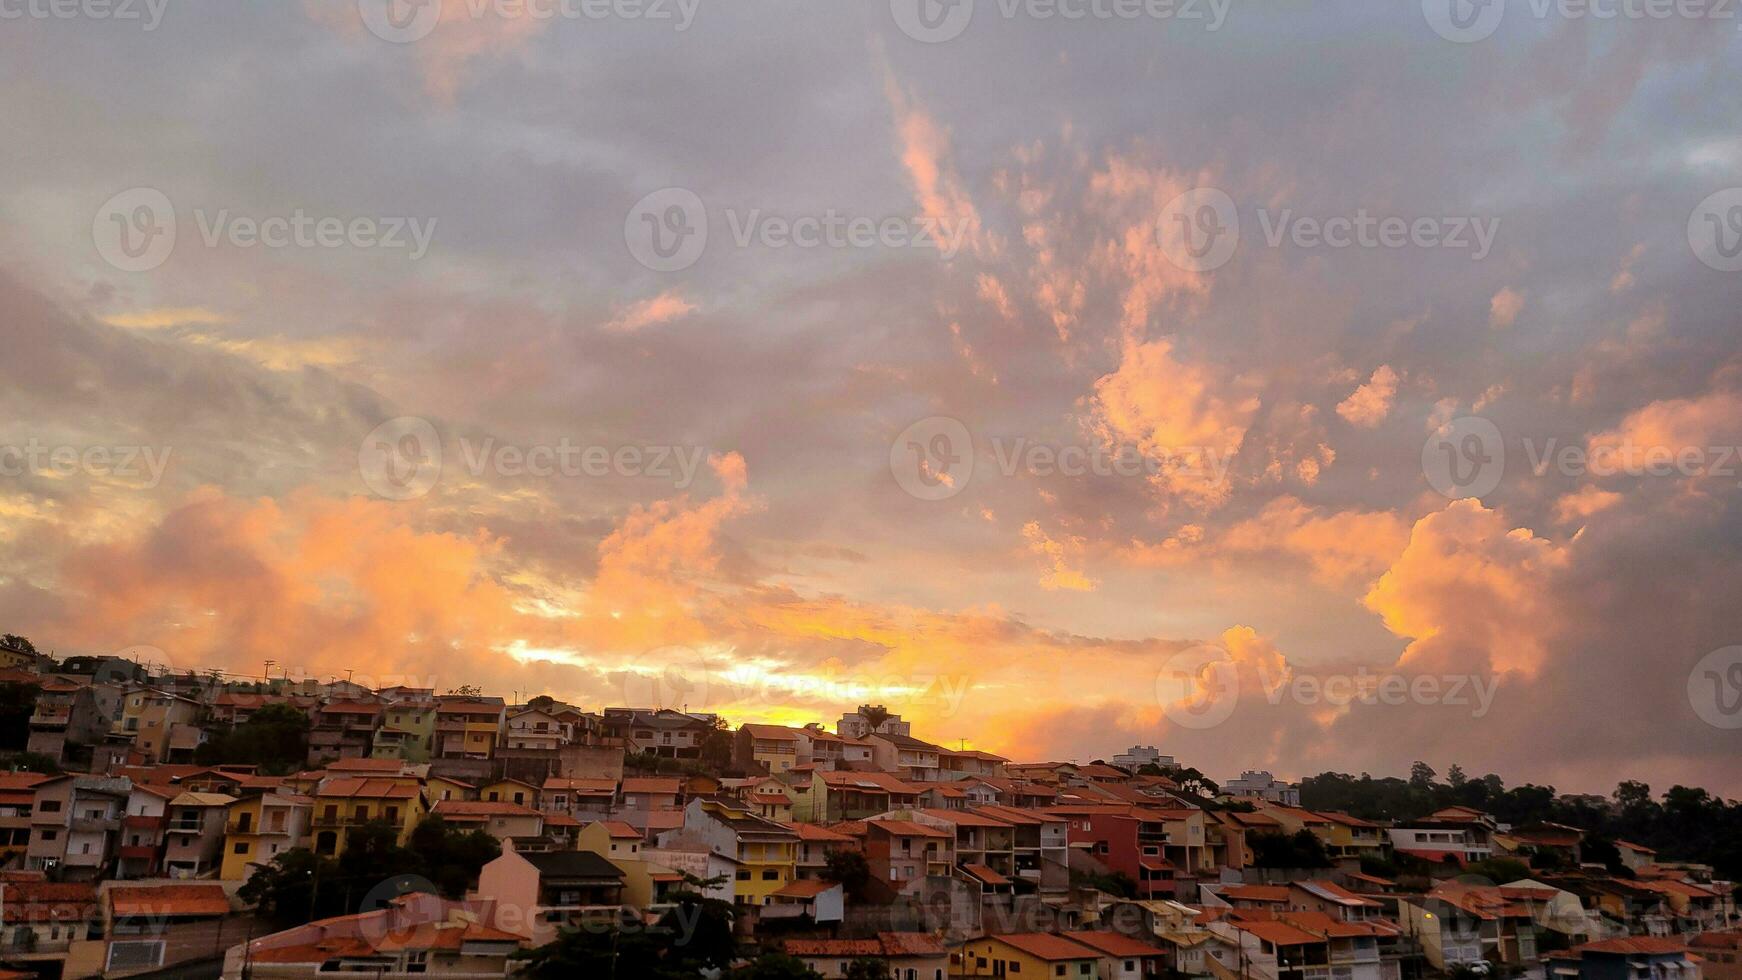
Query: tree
[[1455, 777], [30, 762], [874, 714], [776, 966], [1499, 870], [850, 870], [12, 641], [467, 691], [1299, 850], [718, 746], [694, 937], [275, 737], [1190, 780], [1421, 776], [17, 704], [543, 702]]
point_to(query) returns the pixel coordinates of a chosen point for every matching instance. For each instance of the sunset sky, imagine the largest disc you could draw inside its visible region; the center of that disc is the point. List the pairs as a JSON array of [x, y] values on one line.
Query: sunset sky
[[766, 503]]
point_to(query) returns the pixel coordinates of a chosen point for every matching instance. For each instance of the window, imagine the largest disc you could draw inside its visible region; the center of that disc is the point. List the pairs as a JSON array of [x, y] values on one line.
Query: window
[[1059, 971], [50, 806], [50, 834], [770, 876], [240, 848], [742, 875]]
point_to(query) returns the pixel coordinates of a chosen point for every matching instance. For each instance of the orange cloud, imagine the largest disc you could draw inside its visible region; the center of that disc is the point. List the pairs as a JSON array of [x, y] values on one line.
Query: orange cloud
[[1368, 405]]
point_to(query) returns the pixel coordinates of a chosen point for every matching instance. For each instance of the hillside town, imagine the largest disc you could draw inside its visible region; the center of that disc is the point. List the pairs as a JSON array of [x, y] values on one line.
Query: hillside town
[[163, 823]]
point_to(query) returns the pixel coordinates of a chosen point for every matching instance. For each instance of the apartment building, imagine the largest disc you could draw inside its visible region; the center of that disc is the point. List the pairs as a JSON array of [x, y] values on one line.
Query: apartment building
[[765, 851], [76, 824], [260, 827]]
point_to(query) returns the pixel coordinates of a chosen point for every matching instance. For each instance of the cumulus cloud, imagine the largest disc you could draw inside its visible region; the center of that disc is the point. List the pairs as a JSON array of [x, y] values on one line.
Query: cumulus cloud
[[1368, 405]]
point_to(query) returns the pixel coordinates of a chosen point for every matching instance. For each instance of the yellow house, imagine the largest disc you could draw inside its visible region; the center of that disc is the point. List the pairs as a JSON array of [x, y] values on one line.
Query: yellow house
[[438, 788], [509, 791], [259, 828], [1028, 954], [167, 726], [610, 839], [767, 852], [342, 803]]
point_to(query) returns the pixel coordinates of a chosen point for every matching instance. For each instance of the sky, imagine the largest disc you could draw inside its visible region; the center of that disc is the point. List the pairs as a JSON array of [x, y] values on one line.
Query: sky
[[1290, 386]]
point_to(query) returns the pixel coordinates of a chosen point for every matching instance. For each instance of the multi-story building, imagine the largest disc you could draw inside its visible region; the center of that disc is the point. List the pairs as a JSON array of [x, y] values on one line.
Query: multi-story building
[[168, 726], [430, 937], [66, 716], [343, 730], [262, 826], [17, 800], [768, 748], [551, 891], [194, 834], [664, 732], [900, 852], [1257, 784], [468, 727], [140, 854], [346, 802], [908, 757], [533, 728], [76, 824], [871, 718], [1630, 958], [1138, 756], [501, 820], [815, 844], [1455, 835], [1162, 850], [830, 796], [407, 727], [765, 851], [582, 799]]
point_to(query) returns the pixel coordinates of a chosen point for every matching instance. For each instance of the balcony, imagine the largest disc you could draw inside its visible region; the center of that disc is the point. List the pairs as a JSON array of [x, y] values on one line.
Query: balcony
[[50, 717], [95, 825]]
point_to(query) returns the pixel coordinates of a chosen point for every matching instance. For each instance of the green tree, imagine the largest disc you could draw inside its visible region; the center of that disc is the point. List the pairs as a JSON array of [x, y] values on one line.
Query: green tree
[[1299, 850], [274, 737], [850, 870], [17, 703], [866, 968], [30, 762], [1421, 776], [776, 966], [12, 641], [694, 937]]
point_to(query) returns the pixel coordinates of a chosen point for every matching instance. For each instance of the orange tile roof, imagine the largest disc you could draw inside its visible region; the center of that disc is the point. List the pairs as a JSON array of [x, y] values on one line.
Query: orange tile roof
[[354, 787], [804, 888], [1045, 946], [816, 832], [1257, 893], [1112, 943], [907, 828], [483, 808], [620, 830], [1653, 945], [202, 900], [985, 875]]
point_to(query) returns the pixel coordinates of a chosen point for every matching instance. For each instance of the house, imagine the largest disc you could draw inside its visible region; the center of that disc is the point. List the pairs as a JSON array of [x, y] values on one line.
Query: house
[[408, 726], [905, 955], [902, 851], [769, 800], [467, 727], [1628, 958], [193, 840], [964, 763], [413, 934], [1542, 844], [260, 827], [438, 788], [66, 716], [154, 926], [612, 839], [76, 824], [1256, 784], [501, 820], [815, 843], [143, 823], [346, 802], [1028, 954], [827, 750], [1448, 936], [909, 758], [343, 730], [1720, 954], [168, 728], [532, 728], [765, 851], [1138, 756], [666, 733], [1160, 849], [17, 801], [561, 889], [645, 793], [1040, 846], [767, 748], [1122, 957], [509, 791], [583, 799], [41, 920], [821, 902], [1455, 836], [871, 718], [831, 796], [1635, 857]]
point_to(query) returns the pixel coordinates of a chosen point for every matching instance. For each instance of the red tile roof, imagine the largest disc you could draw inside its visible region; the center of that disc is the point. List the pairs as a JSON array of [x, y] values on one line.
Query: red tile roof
[[1113, 943], [1044, 946], [201, 900]]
